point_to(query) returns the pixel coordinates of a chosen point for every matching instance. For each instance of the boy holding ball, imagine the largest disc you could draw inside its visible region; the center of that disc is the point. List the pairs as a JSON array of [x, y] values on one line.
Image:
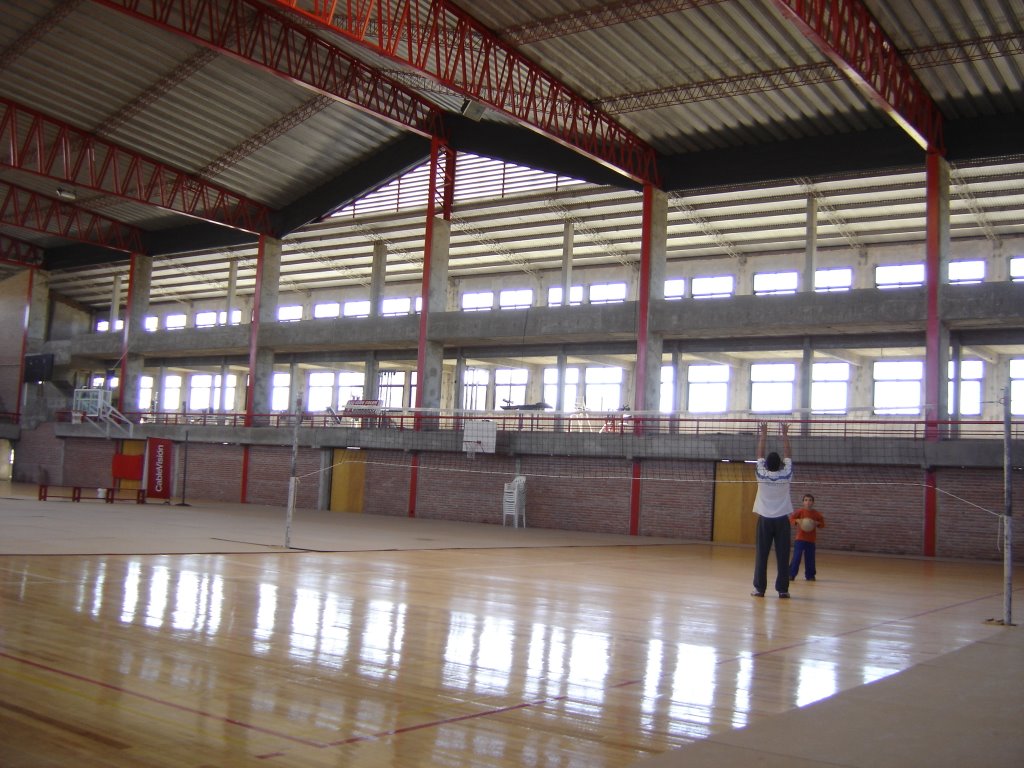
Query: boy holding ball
[[807, 521]]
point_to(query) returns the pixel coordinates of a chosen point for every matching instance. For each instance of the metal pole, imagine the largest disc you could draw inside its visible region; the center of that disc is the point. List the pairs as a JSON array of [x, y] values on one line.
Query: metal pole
[[292, 480], [1007, 513], [184, 474]]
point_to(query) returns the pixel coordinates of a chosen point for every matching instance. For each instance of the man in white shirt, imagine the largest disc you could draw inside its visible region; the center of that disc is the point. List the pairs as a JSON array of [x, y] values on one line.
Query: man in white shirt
[[772, 507]]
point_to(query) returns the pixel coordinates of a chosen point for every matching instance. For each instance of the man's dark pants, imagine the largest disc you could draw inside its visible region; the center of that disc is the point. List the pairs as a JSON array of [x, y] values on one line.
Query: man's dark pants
[[772, 531]]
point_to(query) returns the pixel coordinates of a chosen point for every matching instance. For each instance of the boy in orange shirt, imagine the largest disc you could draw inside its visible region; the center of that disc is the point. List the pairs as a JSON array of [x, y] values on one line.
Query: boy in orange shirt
[[805, 539]]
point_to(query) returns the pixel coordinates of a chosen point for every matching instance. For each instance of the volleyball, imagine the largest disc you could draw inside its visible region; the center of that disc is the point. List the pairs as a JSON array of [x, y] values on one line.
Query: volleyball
[[808, 523]]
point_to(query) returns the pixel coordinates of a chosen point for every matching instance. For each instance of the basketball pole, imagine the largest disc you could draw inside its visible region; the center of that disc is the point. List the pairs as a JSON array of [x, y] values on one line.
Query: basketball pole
[[1007, 513]]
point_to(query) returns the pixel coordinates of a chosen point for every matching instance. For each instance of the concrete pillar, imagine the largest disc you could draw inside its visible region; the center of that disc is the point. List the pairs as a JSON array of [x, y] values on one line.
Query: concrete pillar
[[377, 275], [810, 246], [428, 385], [936, 266], [651, 283], [139, 286], [568, 236], [261, 361], [371, 377], [803, 381], [115, 304], [229, 301]]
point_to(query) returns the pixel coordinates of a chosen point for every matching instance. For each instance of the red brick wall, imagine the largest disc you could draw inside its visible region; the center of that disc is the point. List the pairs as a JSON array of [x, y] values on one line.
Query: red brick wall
[[387, 483], [866, 509], [39, 456], [88, 462], [270, 469], [214, 472], [455, 487], [575, 494], [677, 499], [962, 529]]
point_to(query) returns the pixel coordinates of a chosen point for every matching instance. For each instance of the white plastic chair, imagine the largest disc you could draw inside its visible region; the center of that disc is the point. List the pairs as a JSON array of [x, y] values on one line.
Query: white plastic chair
[[513, 502]]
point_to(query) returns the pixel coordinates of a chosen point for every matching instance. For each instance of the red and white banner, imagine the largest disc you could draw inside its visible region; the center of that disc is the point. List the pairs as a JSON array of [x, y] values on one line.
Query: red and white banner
[[159, 467]]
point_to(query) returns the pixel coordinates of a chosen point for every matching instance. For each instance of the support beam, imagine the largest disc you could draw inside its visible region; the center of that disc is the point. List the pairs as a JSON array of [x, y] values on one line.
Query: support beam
[[24, 208], [445, 43], [53, 149], [252, 32], [19, 253], [847, 33]]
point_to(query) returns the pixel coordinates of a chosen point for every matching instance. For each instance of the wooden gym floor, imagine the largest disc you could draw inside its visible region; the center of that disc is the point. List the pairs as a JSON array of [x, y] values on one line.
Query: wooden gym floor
[[164, 635]]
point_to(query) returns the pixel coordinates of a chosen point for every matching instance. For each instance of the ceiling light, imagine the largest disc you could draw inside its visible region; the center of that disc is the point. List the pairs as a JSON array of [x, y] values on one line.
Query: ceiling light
[[67, 194]]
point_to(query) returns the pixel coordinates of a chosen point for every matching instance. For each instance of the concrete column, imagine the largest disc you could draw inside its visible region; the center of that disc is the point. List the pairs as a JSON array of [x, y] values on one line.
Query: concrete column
[[739, 388], [115, 304], [428, 385], [936, 266], [139, 286], [232, 289], [651, 283], [371, 377], [804, 378], [377, 274], [261, 361], [458, 384], [568, 236], [225, 371], [297, 391], [810, 246], [744, 277]]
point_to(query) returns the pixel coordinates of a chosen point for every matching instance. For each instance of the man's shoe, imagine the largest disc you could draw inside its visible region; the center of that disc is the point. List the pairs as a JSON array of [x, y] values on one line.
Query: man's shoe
[[810, 578], [757, 594], [784, 595]]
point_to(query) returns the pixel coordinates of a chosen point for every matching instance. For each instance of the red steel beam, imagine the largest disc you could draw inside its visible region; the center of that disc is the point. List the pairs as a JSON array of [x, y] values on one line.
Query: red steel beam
[[51, 148], [14, 251], [846, 32], [29, 210], [447, 44], [252, 32]]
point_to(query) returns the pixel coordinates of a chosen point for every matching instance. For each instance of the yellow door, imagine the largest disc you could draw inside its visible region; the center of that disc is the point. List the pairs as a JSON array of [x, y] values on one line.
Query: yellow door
[[133, 448], [735, 489], [348, 476]]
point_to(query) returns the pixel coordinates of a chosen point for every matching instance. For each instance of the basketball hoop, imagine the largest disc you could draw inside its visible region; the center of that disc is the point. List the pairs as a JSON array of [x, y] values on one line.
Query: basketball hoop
[[472, 448]]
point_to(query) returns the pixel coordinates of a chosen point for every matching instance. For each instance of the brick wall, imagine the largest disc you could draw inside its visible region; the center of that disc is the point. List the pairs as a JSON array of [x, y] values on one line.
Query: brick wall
[[962, 529], [39, 456], [386, 490], [270, 469], [455, 487], [866, 509], [574, 494], [214, 472], [88, 462], [674, 508]]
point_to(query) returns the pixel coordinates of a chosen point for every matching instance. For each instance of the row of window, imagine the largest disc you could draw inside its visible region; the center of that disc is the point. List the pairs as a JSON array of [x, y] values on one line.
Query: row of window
[[897, 388], [709, 287]]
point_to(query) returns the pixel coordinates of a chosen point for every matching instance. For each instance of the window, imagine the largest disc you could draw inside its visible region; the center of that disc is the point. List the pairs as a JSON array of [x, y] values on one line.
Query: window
[[713, 287], [1017, 386], [174, 322], [350, 387], [281, 387], [289, 314], [200, 386], [103, 326], [675, 289], [708, 390], [320, 390], [607, 293], [326, 310], [474, 302], [830, 384], [603, 388], [515, 299], [966, 272], [396, 306], [771, 387], [151, 323], [172, 392], [236, 317], [899, 276], [830, 280], [570, 390], [474, 389], [1017, 269], [771, 283], [970, 387], [898, 387], [575, 296], [667, 393], [206, 319], [145, 393], [510, 386], [390, 388], [356, 309], [228, 400]]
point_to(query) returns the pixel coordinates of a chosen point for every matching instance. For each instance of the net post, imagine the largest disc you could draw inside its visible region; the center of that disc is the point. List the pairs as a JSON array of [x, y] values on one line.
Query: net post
[[1007, 512]]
